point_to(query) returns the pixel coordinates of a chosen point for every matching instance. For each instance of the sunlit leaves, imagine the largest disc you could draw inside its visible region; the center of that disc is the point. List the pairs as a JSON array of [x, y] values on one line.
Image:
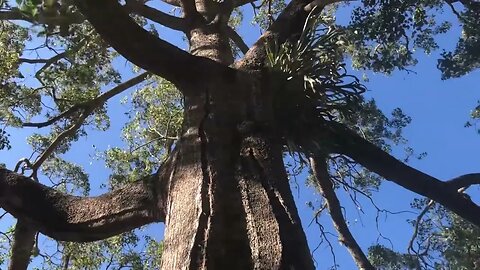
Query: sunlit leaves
[[383, 35], [153, 127], [465, 57], [385, 259]]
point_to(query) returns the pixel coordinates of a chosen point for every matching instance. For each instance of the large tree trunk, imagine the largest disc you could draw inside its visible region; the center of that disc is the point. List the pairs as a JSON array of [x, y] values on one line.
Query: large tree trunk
[[229, 202]]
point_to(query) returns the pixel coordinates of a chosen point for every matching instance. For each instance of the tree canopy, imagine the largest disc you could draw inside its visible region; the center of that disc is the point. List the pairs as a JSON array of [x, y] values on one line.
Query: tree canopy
[[63, 62]]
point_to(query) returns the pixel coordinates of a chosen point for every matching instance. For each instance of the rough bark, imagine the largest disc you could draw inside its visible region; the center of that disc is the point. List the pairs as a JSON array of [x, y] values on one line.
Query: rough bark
[[326, 187], [230, 204], [23, 243], [80, 219]]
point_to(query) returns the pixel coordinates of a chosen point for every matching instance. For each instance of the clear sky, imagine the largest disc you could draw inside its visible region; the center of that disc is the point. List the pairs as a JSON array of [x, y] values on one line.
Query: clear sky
[[439, 110]]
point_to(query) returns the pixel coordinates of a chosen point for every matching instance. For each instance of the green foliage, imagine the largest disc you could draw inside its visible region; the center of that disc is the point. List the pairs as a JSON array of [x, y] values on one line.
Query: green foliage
[[444, 240], [384, 258], [465, 57], [154, 124]]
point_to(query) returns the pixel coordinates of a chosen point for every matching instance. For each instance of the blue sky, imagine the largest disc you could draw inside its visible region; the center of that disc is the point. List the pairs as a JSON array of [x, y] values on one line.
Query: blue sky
[[438, 108]]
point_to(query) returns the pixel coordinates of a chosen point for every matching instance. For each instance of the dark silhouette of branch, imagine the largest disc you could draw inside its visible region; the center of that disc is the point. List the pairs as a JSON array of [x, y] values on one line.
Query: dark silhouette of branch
[[417, 225], [81, 219], [465, 181], [136, 7], [147, 51], [344, 141], [175, 3], [320, 171], [92, 104], [237, 39], [240, 3]]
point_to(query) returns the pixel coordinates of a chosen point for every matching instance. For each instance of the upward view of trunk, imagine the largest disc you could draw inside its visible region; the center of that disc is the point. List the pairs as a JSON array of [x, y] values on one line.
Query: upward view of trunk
[[223, 192], [229, 202]]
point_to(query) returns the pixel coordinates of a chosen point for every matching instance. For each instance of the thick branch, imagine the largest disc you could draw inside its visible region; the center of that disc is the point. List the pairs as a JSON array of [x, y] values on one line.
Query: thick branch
[[14, 15], [320, 171], [23, 243], [147, 51], [81, 219], [347, 142], [465, 181], [134, 6], [237, 39]]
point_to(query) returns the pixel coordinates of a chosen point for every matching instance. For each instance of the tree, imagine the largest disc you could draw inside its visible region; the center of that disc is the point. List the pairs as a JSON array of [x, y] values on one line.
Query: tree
[[220, 123]]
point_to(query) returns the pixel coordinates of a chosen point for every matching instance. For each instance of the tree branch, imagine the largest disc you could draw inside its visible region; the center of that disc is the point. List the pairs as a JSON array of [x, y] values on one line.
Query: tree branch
[[92, 104], [81, 219], [344, 141], [465, 181], [134, 6], [320, 171], [14, 15], [22, 247], [147, 51], [237, 39]]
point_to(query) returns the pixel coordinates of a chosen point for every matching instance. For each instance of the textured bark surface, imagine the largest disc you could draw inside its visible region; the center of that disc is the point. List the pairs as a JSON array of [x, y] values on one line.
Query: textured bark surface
[[229, 201], [23, 242]]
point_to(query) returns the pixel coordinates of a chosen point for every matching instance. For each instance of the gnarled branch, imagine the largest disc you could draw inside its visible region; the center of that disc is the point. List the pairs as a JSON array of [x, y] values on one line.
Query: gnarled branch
[[320, 171], [81, 219], [136, 7], [237, 39], [344, 141]]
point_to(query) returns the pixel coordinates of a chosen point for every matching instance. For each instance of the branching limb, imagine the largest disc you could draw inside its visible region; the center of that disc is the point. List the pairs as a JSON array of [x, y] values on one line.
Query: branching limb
[[81, 219], [320, 171], [465, 181], [344, 141], [92, 104], [145, 50]]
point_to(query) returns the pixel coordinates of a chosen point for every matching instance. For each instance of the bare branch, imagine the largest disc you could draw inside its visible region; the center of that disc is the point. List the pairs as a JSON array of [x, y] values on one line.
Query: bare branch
[[147, 51], [240, 3], [81, 219], [320, 171], [92, 104], [344, 141], [136, 7], [57, 141], [237, 39], [14, 15], [175, 3], [417, 226]]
